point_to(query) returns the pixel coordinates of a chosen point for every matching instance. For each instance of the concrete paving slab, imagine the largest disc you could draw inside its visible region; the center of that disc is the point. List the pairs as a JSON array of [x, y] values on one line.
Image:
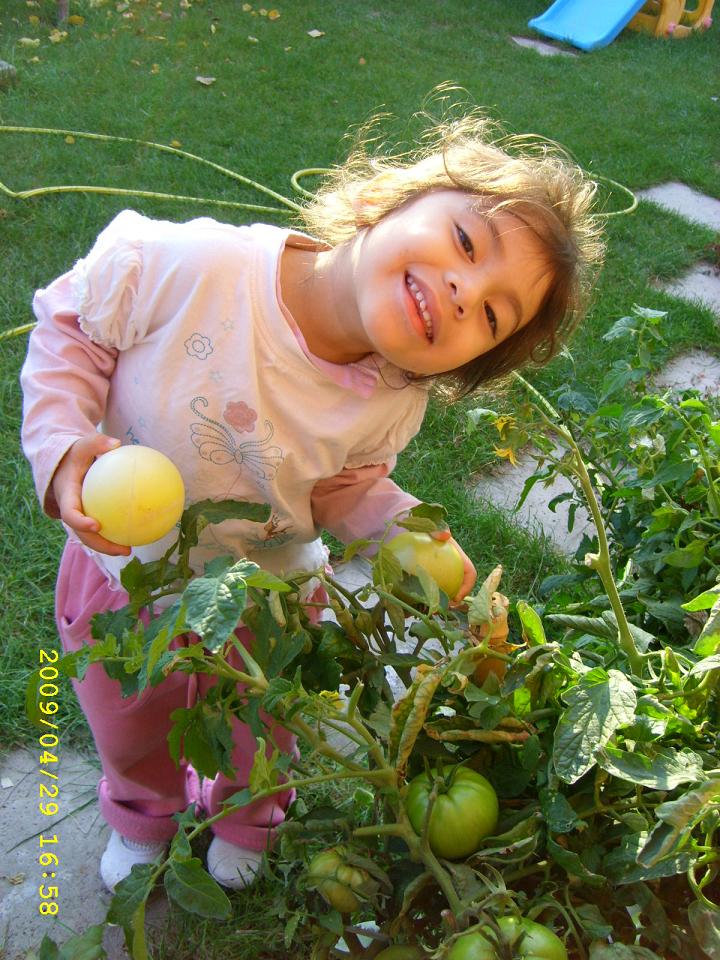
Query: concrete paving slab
[[695, 370], [682, 199], [701, 284], [544, 49], [81, 837], [502, 488]]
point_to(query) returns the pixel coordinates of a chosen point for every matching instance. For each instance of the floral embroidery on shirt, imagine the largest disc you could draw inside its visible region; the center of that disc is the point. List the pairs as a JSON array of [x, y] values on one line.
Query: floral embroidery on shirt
[[216, 444], [240, 416], [198, 346]]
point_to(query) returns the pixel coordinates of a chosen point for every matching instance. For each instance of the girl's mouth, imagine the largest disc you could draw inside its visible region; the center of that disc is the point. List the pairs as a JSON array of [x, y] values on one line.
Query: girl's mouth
[[421, 307]]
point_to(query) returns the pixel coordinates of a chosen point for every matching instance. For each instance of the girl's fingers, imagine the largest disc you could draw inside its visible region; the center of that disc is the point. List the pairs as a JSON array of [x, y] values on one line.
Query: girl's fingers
[[470, 574], [67, 485]]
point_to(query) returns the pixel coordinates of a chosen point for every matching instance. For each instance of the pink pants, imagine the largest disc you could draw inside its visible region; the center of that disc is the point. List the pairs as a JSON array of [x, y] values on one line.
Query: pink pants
[[141, 787]]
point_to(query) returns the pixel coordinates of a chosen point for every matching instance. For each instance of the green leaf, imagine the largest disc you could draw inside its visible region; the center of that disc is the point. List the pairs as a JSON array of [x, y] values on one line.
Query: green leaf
[[193, 889], [533, 630], [573, 865], [623, 864], [203, 735], [478, 414], [706, 665], [669, 473], [215, 602], [85, 946], [205, 512], [593, 922], [691, 806], [560, 816], [598, 705], [625, 326], [332, 921], [703, 601], [264, 774], [48, 949], [278, 688], [352, 549], [660, 769], [621, 951], [266, 581], [130, 896], [705, 924], [595, 626], [159, 634], [435, 512], [688, 557]]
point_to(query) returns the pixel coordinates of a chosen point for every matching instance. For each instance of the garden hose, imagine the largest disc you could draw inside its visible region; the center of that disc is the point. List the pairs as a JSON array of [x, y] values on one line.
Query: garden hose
[[287, 204]]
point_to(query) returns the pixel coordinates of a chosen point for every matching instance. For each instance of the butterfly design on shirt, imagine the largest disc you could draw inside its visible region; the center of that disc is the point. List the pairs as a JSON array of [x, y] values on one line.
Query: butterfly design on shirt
[[217, 444]]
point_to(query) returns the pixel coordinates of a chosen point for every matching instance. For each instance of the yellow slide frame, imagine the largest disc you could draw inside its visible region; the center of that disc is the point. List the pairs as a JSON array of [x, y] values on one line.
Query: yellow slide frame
[[669, 18]]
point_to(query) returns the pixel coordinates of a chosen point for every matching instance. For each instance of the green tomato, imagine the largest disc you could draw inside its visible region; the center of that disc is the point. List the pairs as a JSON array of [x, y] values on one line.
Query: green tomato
[[439, 558], [534, 942], [337, 881], [462, 816], [401, 951], [135, 493]]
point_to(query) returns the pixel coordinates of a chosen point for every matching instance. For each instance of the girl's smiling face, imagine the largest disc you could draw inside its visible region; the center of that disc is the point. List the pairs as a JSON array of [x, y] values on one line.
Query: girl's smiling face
[[437, 282]]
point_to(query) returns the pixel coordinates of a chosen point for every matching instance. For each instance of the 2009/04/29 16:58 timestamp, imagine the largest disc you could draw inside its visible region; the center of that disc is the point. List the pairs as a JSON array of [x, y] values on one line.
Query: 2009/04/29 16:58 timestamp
[[48, 786]]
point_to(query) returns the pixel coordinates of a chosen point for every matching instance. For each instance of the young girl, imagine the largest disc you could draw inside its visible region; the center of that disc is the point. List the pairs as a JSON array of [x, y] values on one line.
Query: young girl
[[286, 368]]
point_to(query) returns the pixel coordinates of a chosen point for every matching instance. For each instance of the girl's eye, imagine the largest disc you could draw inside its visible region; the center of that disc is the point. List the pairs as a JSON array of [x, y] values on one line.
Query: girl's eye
[[465, 242], [491, 318]]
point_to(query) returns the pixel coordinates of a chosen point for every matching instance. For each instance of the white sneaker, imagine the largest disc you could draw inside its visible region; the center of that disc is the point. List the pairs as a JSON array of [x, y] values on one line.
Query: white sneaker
[[232, 866], [120, 855]]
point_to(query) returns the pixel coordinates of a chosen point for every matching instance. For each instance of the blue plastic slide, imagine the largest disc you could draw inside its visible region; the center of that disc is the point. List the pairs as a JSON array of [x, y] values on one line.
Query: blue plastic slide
[[587, 24]]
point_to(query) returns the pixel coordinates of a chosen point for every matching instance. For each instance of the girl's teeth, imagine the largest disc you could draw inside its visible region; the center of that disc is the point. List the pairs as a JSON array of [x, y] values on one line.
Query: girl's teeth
[[420, 299]]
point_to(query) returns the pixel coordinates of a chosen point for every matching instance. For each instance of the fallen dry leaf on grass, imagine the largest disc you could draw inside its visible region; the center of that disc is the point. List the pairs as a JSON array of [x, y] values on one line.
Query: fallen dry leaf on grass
[[206, 81], [316, 33]]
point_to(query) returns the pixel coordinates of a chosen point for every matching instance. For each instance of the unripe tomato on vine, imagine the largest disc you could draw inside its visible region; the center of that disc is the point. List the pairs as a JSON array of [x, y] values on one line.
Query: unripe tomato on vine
[[338, 882], [530, 940], [465, 811]]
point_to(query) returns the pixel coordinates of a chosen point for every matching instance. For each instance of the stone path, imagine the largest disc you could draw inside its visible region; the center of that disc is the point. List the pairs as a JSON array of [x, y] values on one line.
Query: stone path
[[81, 838]]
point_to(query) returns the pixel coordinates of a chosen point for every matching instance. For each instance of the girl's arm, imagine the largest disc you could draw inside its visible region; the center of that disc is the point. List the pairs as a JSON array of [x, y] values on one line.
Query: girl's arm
[[65, 381], [358, 502]]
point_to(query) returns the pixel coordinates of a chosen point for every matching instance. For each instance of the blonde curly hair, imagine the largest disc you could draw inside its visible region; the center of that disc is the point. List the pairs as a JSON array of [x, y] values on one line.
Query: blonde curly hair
[[530, 177]]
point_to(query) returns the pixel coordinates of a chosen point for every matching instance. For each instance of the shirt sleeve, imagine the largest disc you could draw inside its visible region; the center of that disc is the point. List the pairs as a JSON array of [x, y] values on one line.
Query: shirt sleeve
[[84, 318], [402, 420], [358, 502], [65, 382], [105, 283]]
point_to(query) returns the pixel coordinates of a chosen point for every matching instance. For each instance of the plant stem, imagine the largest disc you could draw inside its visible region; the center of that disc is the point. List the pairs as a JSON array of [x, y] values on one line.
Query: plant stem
[[600, 562]]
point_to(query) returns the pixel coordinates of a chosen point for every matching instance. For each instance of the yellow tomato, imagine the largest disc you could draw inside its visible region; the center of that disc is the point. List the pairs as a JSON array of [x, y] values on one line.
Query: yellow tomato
[[135, 493], [439, 558]]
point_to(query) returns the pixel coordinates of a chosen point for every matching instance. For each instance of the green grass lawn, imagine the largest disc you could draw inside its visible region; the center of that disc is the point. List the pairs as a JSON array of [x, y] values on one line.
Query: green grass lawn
[[640, 111]]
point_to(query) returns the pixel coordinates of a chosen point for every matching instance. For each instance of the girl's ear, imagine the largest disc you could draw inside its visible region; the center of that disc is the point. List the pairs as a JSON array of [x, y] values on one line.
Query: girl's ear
[[363, 208]]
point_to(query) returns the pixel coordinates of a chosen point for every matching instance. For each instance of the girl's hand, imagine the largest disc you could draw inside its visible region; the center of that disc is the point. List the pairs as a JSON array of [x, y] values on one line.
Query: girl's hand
[[67, 487], [470, 571]]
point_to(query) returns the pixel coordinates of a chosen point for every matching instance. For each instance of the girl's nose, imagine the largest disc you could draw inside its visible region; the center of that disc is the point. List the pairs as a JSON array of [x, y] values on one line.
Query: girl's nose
[[465, 293]]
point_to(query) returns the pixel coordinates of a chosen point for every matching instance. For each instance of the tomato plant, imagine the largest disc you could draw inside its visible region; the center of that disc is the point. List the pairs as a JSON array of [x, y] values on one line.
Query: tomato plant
[[530, 941], [464, 811], [600, 738]]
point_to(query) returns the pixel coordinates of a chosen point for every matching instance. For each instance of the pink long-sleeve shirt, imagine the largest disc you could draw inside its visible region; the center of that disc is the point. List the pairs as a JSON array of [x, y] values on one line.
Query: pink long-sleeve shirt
[[175, 336]]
